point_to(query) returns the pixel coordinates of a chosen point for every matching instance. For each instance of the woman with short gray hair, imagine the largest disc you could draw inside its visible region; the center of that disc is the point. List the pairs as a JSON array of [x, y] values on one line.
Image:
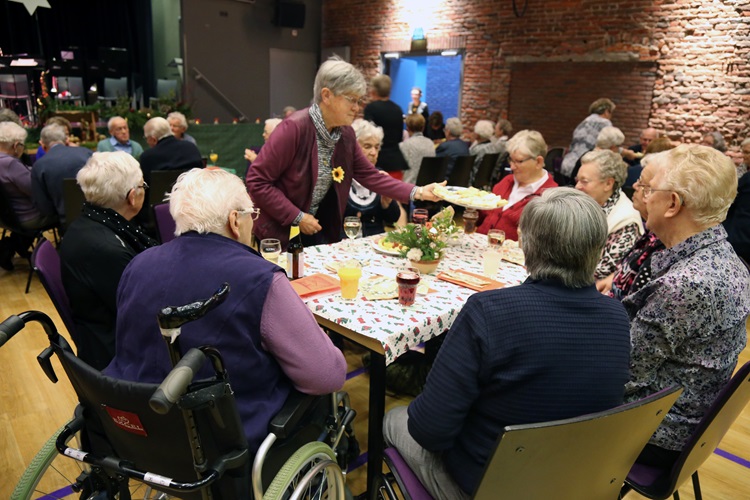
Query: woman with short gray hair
[[303, 173], [484, 131], [601, 176], [98, 246], [179, 125]]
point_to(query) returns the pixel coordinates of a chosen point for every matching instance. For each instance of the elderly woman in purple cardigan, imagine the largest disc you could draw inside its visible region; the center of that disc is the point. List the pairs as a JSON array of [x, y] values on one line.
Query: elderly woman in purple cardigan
[[303, 173]]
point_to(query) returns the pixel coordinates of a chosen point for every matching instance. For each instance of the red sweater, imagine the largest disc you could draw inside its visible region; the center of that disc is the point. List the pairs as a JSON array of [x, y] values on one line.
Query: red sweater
[[508, 220]]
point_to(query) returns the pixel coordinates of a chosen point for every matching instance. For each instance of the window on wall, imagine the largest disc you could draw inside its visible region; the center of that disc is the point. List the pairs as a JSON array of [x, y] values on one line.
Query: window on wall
[[439, 77]]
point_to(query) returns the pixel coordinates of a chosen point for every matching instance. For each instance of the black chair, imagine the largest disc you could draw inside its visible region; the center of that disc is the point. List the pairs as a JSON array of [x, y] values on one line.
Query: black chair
[[160, 184], [482, 179], [432, 169], [462, 170], [114, 88], [585, 457], [653, 482], [9, 222], [73, 200]]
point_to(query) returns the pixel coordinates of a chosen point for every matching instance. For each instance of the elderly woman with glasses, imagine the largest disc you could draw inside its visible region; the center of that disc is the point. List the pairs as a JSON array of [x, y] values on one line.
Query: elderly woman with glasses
[[688, 324], [303, 173], [98, 246], [526, 150], [270, 341], [601, 176]]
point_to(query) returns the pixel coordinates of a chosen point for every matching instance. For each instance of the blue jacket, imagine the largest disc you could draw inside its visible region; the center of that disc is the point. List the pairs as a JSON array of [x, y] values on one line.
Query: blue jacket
[[47, 174]]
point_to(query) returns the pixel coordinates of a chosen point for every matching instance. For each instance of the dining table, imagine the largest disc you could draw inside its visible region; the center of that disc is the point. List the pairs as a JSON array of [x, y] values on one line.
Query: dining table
[[386, 328]]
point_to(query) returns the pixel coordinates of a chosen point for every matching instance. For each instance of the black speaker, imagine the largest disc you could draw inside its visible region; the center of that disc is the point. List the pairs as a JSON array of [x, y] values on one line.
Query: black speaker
[[290, 15]]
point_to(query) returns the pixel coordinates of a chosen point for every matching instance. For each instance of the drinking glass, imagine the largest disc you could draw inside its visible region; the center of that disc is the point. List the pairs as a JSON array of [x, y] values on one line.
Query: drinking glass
[[270, 249], [420, 216], [407, 280], [349, 273], [495, 238], [491, 262], [213, 157], [352, 227], [470, 220]]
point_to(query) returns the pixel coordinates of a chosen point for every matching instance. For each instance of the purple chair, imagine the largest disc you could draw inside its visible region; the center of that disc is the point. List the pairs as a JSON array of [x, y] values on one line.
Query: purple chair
[[47, 265], [165, 225], [656, 483], [583, 457]]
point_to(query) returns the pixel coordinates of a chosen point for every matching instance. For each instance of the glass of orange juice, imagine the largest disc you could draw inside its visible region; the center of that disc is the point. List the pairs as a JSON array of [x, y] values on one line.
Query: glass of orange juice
[[349, 273]]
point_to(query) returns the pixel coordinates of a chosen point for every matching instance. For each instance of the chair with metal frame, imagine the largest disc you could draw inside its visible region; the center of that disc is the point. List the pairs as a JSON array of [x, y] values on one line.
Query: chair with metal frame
[[482, 179], [462, 170]]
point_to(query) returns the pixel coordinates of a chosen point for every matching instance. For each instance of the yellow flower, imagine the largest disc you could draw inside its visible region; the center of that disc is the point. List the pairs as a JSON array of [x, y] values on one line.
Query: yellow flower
[[337, 174]]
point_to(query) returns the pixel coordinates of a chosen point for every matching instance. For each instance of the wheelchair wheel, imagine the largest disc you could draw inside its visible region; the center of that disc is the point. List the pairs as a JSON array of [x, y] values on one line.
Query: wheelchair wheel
[[311, 473], [51, 475]]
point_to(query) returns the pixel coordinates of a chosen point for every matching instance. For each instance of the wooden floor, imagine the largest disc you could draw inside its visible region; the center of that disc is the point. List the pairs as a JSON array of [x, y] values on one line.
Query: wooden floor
[[32, 408]]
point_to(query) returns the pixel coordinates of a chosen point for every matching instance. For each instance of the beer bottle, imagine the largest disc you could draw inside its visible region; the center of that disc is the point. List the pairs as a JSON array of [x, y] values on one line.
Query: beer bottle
[[295, 258]]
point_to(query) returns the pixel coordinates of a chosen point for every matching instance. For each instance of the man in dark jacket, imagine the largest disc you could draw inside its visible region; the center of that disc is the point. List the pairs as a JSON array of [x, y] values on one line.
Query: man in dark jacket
[[166, 151]]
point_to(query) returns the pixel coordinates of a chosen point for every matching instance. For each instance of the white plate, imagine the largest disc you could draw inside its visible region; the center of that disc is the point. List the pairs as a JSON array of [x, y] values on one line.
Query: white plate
[[453, 194], [376, 245]]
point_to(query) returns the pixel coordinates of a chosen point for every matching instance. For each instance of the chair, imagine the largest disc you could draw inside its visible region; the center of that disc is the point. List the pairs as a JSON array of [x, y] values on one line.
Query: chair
[[552, 164], [16, 87], [73, 85], [167, 88], [432, 169], [656, 483], [161, 183], [47, 265], [9, 223], [482, 179], [114, 88], [583, 457], [73, 200], [165, 225], [462, 170]]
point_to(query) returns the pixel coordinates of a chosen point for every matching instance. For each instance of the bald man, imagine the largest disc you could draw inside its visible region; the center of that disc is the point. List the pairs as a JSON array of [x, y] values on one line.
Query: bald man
[[631, 155]]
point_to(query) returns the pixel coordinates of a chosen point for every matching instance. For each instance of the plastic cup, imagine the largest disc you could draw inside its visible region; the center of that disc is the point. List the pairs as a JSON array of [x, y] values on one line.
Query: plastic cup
[[491, 262], [349, 274], [407, 286], [470, 220]]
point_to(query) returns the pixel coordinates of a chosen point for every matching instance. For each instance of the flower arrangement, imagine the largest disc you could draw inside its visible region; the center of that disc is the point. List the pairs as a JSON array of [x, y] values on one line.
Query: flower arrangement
[[425, 243]]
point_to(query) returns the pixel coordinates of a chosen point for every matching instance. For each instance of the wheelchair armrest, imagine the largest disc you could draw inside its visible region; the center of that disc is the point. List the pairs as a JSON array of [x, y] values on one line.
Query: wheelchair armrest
[[295, 407]]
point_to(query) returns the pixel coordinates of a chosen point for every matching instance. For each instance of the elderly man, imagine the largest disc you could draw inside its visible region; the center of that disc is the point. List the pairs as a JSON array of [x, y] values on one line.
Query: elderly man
[[303, 173], [268, 338], [688, 322], [166, 152], [179, 125], [59, 162], [119, 139], [548, 349], [98, 245], [453, 146], [586, 133], [634, 153], [389, 116]]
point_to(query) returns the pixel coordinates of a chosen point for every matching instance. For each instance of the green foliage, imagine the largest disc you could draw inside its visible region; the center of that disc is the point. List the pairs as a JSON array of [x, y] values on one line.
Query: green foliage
[[425, 242]]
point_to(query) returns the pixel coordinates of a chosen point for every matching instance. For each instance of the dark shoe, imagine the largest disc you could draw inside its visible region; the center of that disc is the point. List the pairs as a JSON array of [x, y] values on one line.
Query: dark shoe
[[6, 254]]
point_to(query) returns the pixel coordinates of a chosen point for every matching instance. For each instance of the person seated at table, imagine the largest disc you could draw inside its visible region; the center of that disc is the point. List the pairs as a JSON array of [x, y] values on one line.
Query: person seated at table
[[744, 167], [715, 140], [503, 129], [119, 139], [303, 174], [268, 338], [601, 176], [687, 326], [268, 128], [416, 147], [166, 152], [484, 131], [633, 271], [435, 130], [179, 125], [70, 139], [374, 210], [529, 179], [550, 348], [454, 146], [609, 138], [98, 245], [15, 182], [633, 154]]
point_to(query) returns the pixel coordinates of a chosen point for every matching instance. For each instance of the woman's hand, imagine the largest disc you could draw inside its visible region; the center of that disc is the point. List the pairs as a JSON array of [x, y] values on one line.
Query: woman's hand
[[604, 285], [309, 224], [250, 155], [427, 191]]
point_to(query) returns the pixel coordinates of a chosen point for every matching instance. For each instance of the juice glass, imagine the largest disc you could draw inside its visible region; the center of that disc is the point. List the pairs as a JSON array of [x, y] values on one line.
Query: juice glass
[[349, 274]]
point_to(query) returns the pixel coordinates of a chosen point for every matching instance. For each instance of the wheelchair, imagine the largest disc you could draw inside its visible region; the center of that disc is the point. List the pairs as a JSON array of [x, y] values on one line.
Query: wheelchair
[[182, 438]]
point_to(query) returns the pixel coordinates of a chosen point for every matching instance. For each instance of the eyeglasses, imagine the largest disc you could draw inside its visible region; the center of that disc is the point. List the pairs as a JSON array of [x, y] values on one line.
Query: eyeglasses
[[254, 212], [518, 162], [359, 101], [143, 186], [647, 190]]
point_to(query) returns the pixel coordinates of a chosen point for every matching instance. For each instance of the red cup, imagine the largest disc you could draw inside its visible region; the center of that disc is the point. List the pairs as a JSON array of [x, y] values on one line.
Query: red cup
[[407, 286]]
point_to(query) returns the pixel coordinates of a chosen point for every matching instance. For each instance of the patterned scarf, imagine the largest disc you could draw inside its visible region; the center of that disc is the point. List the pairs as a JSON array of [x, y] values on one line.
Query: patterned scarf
[[326, 143], [131, 234]]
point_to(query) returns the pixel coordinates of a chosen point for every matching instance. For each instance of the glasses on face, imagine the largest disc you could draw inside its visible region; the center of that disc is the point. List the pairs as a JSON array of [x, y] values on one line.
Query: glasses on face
[[359, 101], [518, 162], [143, 186], [254, 212]]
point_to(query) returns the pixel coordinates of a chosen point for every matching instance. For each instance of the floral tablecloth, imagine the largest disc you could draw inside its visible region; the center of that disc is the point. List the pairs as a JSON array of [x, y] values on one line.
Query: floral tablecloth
[[396, 327]]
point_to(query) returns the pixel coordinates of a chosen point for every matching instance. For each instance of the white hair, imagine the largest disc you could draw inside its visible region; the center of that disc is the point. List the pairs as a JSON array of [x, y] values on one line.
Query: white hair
[[53, 134], [181, 120], [272, 123], [609, 137], [11, 133], [107, 178], [364, 129], [158, 128], [484, 129], [454, 126], [202, 199], [339, 77]]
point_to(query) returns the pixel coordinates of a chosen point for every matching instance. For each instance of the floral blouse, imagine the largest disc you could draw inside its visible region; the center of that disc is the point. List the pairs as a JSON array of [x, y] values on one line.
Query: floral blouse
[[634, 270], [618, 242], [688, 328]]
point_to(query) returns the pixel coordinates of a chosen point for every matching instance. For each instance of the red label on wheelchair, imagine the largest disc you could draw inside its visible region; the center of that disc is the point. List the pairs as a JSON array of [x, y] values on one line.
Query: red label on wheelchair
[[126, 421]]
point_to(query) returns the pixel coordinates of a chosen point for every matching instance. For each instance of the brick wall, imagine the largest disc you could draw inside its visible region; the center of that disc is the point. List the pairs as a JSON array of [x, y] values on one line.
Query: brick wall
[[694, 55]]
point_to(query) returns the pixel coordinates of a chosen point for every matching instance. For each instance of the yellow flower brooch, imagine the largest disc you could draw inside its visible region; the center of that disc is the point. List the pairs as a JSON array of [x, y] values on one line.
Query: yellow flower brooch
[[337, 174]]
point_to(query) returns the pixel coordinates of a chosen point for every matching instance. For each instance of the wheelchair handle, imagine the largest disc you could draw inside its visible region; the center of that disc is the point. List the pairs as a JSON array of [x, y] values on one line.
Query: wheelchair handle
[[9, 328], [14, 324], [176, 383], [172, 317]]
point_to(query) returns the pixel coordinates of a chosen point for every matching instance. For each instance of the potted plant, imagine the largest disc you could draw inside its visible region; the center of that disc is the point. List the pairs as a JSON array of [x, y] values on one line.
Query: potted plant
[[424, 245]]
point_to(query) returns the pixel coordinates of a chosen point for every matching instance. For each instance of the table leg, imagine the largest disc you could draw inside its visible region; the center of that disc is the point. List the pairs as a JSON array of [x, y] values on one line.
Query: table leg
[[375, 422]]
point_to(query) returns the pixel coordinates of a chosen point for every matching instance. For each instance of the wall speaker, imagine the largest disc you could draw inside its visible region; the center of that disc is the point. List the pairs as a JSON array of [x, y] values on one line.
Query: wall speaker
[[290, 15]]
